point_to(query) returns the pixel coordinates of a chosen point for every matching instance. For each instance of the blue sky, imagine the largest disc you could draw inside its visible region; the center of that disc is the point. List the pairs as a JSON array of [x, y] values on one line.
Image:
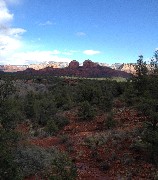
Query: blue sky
[[106, 31]]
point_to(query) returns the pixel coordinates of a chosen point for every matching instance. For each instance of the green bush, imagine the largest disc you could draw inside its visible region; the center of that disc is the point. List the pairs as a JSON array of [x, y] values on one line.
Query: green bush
[[60, 121], [150, 140], [95, 141], [110, 122], [63, 168], [8, 167], [32, 160], [44, 109], [55, 124], [105, 103], [51, 127], [86, 111]]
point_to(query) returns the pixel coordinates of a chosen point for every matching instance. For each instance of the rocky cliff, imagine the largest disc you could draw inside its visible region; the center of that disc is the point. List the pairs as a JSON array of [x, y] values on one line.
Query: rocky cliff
[[15, 68], [129, 68], [88, 70], [125, 67]]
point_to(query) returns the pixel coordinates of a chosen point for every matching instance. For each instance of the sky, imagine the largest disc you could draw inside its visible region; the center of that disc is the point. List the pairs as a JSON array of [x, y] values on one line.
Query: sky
[[105, 31]]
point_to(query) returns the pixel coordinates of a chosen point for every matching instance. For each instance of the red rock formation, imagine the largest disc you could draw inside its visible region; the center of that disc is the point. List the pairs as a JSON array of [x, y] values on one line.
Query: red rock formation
[[74, 64], [88, 70], [89, 64]]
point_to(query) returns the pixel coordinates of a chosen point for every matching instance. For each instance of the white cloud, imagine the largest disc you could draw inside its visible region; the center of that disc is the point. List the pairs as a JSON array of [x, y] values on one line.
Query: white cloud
[[5, 15], [16, 31], [81, 34], [8, 43], [55, 52], [91, 52], [10, 38], [12, 1], [47, 23], [36, 57]]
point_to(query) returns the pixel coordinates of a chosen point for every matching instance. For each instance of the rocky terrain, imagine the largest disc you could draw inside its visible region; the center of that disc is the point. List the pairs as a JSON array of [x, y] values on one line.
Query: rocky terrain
[[88, 70], [15, 68], [126, 67], [99, 153], [74, 129]]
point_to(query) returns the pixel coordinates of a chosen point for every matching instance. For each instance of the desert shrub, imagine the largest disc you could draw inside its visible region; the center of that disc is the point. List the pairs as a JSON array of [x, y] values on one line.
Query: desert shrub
[[95, 141], [8, 167], [86, 111], [52, 163], [61, 121], [149, 135], [44, 109], [64, 138], [68, 142], [110, 122], [55, 123], [130, 93], [29, 105], [89, 90], [63, 167], [150, 141], [6, 89], [11, 113], [32, 159], [63, 97], [105, 103], [51, 127], [60, 100]]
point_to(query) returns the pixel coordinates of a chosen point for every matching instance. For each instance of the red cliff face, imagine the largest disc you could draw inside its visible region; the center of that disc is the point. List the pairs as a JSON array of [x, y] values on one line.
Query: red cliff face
[[73, 64], [89, 64]]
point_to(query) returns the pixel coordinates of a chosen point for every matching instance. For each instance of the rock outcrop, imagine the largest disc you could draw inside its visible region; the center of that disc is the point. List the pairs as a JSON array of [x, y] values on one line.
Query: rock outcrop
[[15, 68], [88, 70], [73, 64], [129, 68], [89, 64]]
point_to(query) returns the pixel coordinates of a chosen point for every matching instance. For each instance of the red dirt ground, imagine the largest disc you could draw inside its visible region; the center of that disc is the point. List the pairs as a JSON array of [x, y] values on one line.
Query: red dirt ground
[[111, 154]]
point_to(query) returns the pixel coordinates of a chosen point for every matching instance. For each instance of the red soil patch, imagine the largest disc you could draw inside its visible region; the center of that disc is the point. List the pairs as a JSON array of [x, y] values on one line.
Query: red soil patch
[[45, 142], [23, 128], [110, 161]]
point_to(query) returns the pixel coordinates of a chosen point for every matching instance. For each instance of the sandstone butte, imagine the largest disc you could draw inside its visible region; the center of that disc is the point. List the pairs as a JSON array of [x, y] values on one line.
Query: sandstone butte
[[88, 70], [126, 67]]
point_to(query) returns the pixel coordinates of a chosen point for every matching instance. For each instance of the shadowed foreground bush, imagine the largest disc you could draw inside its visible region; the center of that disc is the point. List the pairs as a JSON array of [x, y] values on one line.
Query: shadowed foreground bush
[[47, 162]]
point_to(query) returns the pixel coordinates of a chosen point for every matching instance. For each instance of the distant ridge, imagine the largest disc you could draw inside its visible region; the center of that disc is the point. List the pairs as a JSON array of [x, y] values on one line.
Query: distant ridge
[[126, 67], [15, 68], [88, 70]]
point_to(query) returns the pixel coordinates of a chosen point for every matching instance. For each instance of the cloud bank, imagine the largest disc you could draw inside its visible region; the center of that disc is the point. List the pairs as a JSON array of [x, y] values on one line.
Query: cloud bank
[[5, 15], [37, 57], [91, 52], [10, 38], [11, 41]]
